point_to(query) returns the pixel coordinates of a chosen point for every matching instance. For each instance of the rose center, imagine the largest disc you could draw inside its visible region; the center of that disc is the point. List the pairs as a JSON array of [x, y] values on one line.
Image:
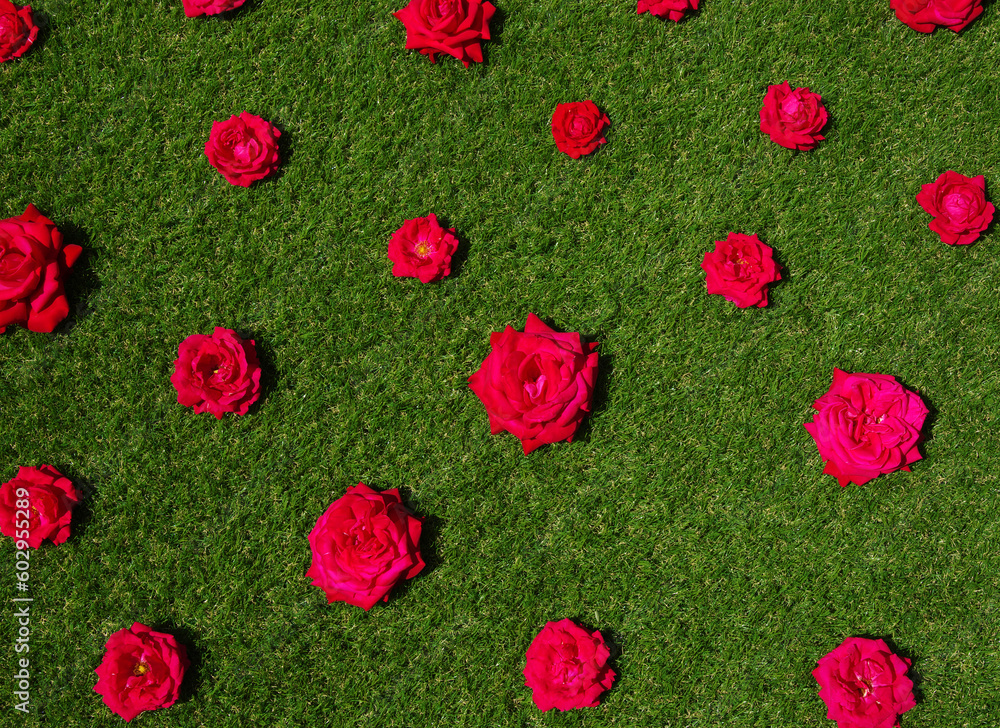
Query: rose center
[[423, 249], [958, 206], [534, 389], [581, 127], [140, 669], [791, 106]]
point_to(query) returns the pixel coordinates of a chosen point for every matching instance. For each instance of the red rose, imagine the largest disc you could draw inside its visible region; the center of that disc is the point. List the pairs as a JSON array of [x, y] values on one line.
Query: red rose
[[194, 8], [536, 385], [793, 119], [864, 685], [217, 373], [17, 30], [673, 9], [37, 504], [866, 425], [453, 27], [578, 127], [243, 148], [958, 204], [33, 261], [740, 268], [141, 670], [422, 249], [365, 544], [567, 667], [926, 15]]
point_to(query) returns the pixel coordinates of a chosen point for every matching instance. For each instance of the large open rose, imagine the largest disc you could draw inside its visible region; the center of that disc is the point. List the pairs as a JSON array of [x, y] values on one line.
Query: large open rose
[[567, 667], [243, 148], [452, 27], [866, 425], [925, 15], [740, 269], [422, 249], [793, 119], [17, 30], [958, 204], [35, 505], [536, 385], [673, 9], [218, 373], [578, 127]]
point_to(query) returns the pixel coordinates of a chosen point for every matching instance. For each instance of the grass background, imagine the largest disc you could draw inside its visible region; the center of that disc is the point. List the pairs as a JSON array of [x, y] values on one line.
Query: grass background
[[689, 520]]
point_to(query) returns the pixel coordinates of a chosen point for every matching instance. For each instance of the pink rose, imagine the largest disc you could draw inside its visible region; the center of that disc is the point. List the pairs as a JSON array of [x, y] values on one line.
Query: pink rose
[[35, 505], [141, 670], [578, 127], [536, 385], [567, 667], [194, 8], [740, 268], [864, 685], [958, 204], [673, 9], [33, 263], [452, 27], [422, 249], [17, 30], [793, 119], [365, 544], [243, 148], [925, 15], [217, 373], [866, 425]]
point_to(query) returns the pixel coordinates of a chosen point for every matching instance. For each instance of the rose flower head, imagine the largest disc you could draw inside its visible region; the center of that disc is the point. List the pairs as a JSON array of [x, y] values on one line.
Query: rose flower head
[[217, 373], [578, 127], [422, 249], [925, 15], [17, 30], [958, 204], [866, 425], [141, 670], [47, 497], [363, 545], [452, 27], [793, 119], [194, 8], [673, 9], [243, 148], [864, 684], [536, 385], [740, 268], [567, 667], [33, 264]]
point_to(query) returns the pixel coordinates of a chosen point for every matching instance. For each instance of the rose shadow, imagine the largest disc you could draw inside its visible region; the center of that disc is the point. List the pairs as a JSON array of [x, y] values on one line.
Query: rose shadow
[[602, 389], [430, 532], [786, 277], [928, 426], [613, 640], [83, 512], [230, 15], [81, 280], [910, 673], [265, 358], [496, 32], [193, 677], [461, 253], [285, 153], [44, 22]]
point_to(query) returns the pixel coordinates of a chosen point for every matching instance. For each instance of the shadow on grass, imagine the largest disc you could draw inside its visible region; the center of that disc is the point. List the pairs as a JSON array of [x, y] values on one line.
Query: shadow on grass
[[927, 431], [461, 253], [496, 25], [601, 394], [906, 654], [268, 370], [83, 511], [613, 640], [193, 677], [80, 281]]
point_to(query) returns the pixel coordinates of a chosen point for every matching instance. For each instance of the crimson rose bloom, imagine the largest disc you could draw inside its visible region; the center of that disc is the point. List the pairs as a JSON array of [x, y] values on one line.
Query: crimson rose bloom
[[793, 119], [37, 504], [452, 27], [673, 9], [578, 127], [217, 373], [194, 8], [567, 667], [536, 385], [17, 30], [243, 148], [864, 685], [925, 15], [422, 249], [958, 204], [141, 670], [33, 262], [866, 425], [365, 544], [740, 268]]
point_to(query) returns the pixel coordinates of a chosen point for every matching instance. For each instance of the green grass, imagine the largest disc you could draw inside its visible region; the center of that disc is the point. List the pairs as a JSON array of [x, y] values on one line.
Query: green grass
[[689, 521]]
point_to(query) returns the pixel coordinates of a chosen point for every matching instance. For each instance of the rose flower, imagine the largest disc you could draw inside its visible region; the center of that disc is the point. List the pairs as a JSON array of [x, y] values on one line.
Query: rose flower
[[958, 204], [793, 119], [452, 27], [363, 545], [925, 15], [740, 269], [673, 9], [866, 425], [217, 373], [567, 667], [243, 148], [141, 670], [422, 249], [578, 127], [17, 30], [48, 499], [864, 685], [194, 8]]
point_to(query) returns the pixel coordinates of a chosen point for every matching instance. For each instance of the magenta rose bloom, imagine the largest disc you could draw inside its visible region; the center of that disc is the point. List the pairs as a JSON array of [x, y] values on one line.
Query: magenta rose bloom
[[35, 505], [363, 545], [866, 425], [243, 148], [218, 373], [422, 249], [17, 30], [452, 27], [141, 670], [958, 204], [567, 667], [864, 685], [194, 8], [925, 15], [793, 119], [673, 9], [740, 269], [578, 127], [537, 385]]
